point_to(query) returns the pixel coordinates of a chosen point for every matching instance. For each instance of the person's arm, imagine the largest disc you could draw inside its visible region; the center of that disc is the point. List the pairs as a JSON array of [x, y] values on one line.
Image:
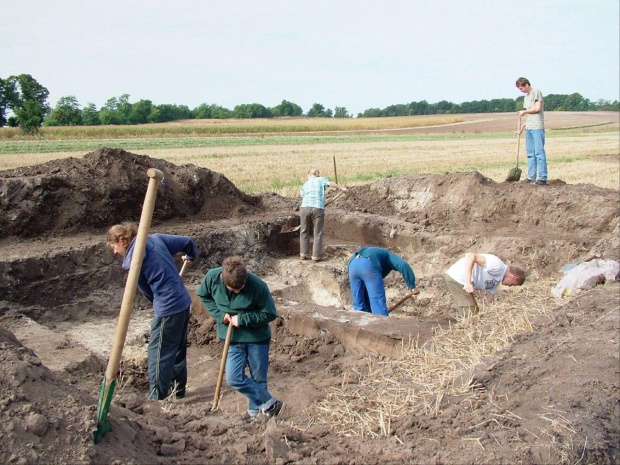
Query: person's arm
[[404, 269], [265, 309], [472, 259], [205, 292], [532, 111], [176, 244], [337, 186]]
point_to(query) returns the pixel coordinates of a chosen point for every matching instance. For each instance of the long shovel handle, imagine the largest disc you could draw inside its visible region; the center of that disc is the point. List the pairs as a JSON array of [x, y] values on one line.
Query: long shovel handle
[[473, 301], [109, 380], [518, 139], [335, 172], [220, 376], [183, 267], [400, 302]]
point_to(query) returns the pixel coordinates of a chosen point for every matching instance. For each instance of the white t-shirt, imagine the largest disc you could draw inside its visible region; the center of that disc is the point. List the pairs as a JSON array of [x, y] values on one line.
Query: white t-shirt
[[487, 278]]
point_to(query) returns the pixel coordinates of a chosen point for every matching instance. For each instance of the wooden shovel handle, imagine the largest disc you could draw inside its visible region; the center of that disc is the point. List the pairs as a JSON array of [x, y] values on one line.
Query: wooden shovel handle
[[220, 376], [134, 273], [518, 139], [400, 302]]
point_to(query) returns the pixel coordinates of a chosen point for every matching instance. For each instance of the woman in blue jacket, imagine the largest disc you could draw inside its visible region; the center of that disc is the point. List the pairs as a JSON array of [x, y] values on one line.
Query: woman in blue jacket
[[160, 282]]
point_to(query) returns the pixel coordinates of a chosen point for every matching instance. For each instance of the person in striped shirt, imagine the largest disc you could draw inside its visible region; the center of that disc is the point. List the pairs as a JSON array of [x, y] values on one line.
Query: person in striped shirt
[[312, 214]]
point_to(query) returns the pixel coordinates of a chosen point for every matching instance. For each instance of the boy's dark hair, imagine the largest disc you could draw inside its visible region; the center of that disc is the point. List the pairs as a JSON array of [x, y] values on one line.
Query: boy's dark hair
[[522, 82]]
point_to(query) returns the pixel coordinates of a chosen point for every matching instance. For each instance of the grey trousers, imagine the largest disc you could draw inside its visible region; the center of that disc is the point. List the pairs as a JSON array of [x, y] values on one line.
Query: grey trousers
[[311, 219]]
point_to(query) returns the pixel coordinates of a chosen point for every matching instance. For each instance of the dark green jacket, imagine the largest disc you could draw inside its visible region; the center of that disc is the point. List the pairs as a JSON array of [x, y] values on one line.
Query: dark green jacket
[[253, 305]]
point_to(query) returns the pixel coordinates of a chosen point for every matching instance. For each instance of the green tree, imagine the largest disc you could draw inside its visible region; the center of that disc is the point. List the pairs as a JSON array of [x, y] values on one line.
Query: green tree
[[341, 112], [66, 113], [140, 112], [287, 108], [90, 115], [252, 110], [316, 111], [31, 105], [8, 98], [212, 111]]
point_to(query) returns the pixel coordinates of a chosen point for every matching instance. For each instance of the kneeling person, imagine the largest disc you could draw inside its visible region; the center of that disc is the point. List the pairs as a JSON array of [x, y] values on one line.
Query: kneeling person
[[235, 297]]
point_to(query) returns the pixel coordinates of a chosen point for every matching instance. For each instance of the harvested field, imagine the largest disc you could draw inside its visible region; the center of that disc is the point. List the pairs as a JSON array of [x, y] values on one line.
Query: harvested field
[[533, 379]]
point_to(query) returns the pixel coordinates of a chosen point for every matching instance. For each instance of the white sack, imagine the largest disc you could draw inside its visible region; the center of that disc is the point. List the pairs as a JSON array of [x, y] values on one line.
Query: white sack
[[586, 276]]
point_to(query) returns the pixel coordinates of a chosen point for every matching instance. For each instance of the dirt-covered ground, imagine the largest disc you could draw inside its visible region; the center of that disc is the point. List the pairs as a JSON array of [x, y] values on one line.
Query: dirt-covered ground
[[548, 394]]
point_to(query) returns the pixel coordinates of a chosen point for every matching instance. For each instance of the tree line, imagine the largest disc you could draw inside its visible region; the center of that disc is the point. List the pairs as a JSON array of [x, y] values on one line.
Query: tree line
[[26, 99]]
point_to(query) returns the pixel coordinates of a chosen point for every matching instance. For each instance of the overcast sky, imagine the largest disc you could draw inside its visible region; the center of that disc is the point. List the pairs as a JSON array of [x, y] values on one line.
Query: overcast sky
[[357, 54]]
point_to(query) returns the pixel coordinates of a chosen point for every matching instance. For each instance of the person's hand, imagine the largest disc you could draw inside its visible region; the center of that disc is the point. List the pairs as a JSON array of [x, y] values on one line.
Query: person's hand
[[469, 288], [522, 113], [415, 291], [185, 259], [232, 320], [344, 189]]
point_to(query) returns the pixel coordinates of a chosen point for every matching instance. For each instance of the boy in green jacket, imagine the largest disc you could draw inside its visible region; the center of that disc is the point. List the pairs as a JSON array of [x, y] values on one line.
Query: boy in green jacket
[[235, 297]]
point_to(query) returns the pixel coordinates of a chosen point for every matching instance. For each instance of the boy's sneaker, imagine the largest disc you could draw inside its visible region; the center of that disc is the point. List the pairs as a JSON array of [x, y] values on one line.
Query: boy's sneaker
[[275, 409], [540, 182], [527, 181]]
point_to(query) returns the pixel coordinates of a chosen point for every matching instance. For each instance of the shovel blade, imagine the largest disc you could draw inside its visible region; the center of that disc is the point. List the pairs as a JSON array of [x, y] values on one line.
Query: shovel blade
[[514, 174], [105, 397]]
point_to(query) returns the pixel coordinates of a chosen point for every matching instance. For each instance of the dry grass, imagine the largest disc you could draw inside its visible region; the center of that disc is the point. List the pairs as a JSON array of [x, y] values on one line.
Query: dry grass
[[592, 159], [368, 400]]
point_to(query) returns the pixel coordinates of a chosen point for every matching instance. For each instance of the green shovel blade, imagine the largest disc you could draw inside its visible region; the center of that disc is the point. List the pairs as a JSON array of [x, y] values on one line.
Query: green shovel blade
[[105, 397]]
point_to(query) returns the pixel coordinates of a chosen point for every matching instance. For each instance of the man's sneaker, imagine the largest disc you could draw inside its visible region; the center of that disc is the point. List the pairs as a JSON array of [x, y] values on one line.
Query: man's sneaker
[[275, 409], [540, 182], [527, 181]]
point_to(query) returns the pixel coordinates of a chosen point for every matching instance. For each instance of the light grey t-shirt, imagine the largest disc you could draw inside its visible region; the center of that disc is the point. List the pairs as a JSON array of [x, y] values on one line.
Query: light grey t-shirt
[[535, 121], [486, 278]]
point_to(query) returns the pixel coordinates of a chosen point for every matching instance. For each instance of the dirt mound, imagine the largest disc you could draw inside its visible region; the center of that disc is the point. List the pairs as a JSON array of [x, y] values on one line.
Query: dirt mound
[[46, 418], [106, 187]]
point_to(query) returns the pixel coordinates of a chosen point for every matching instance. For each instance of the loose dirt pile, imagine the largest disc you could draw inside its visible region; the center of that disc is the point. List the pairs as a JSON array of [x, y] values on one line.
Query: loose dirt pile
[[550, 396]]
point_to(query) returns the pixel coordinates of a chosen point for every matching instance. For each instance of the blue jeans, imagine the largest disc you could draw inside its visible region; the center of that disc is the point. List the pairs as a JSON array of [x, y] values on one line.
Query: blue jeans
[[254, 387], [167, 354], [536, 156], [367, 287]]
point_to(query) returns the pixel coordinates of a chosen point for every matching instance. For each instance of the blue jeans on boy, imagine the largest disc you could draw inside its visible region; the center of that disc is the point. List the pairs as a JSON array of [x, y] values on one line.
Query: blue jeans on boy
[[367, 287], [256, 358], [536, 156], [167, 354]]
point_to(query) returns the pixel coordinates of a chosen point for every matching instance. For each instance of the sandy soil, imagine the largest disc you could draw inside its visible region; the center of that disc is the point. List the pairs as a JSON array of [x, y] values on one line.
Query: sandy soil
[[550, 395]]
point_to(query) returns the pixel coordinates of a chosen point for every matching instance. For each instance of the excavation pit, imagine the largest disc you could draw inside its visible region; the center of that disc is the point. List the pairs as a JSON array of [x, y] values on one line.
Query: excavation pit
[[62, 287]]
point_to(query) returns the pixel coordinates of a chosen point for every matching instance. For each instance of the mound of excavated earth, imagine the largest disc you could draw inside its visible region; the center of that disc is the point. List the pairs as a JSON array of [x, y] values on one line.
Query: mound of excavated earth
[[104, 188], [549, 396]]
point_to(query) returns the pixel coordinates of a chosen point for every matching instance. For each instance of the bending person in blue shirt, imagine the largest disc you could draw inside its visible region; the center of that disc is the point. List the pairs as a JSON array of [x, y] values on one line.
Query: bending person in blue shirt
[[312, 214], [160, 282], [367, 267]]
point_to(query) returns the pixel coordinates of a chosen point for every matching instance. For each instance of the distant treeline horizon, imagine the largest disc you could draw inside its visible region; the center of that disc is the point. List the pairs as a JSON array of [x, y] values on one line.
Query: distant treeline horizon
[[27, 100]]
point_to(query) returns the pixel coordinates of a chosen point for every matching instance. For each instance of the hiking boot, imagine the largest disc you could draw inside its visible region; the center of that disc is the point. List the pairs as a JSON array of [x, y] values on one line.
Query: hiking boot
[[304, 257], [275, 409], [316, 259], [527, 181], [540, 182]]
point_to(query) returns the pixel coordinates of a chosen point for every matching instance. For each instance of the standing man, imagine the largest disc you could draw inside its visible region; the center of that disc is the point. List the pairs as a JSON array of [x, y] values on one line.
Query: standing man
[[367, 267], [312, 214], [483, 272], [160, 282], [235, 297], [534, 133]]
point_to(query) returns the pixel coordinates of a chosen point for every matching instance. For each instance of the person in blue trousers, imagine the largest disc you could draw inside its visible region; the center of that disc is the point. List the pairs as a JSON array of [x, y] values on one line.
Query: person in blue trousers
[[533, 110], [161, 284], [367, 268], [232, 296]]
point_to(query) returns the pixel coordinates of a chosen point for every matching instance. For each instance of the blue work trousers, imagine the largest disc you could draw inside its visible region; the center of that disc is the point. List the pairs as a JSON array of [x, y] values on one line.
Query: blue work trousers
[[367, 287], [167, 354], [536, 155], [256, 358]]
